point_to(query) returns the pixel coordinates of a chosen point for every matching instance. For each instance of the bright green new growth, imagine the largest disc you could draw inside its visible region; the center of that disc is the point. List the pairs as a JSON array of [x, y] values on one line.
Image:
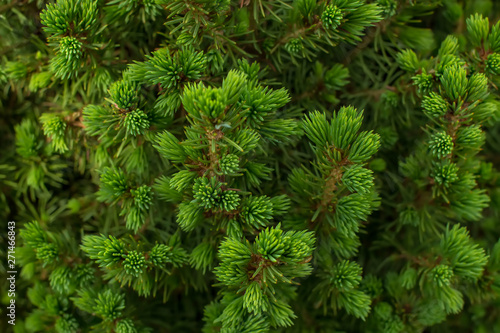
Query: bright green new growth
[[124, 94], [257, 271], [332, 17], [423, 81], [407, 60], [229, 164], [358, 179], [55, 127], [70, 47], [445, 174], [442, 275], [493, 63], [136, 122], [125, 263], [134, 263], [434, 105], [441, 144]]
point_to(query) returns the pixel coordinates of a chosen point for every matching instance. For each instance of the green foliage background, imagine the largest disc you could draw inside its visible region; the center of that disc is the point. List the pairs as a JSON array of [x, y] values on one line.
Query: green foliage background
[[251, 165]]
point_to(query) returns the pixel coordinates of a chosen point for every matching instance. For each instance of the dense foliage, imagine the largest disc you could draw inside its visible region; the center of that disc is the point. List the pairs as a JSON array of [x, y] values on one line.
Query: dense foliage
[[245, 166]]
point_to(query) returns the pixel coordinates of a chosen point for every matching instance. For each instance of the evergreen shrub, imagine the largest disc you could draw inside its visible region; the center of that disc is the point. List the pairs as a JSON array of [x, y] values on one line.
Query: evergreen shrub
[[250, 166]]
